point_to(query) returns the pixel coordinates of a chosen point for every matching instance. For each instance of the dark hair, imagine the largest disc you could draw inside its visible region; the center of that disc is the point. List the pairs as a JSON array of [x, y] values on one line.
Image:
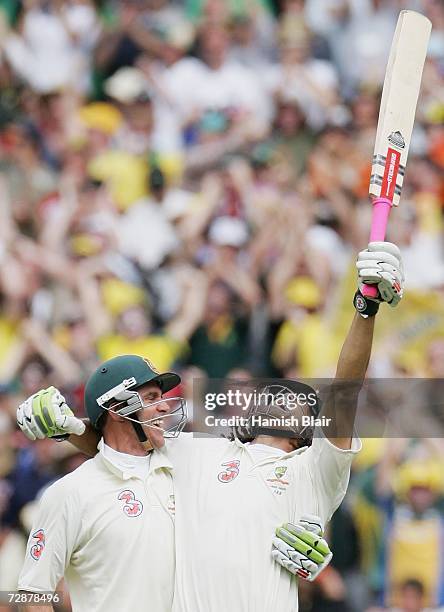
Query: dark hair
[[101, 421], [413, 583]]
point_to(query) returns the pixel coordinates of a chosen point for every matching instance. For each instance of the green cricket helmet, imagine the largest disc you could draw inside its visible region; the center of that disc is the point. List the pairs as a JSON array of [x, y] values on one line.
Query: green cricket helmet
[[118, 379]]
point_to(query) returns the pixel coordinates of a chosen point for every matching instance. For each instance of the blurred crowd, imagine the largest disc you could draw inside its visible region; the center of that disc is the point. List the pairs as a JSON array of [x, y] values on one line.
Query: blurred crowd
[[188, 180]]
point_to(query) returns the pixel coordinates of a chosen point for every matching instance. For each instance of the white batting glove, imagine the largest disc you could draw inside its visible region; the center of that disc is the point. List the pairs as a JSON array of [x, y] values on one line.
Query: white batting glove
[[301, 548], [381, 264], [46, 414]]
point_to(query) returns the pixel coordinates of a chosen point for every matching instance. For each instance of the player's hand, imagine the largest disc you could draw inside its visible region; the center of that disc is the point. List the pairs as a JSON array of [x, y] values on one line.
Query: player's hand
[[301, 548], [381, 264], [46, 415]]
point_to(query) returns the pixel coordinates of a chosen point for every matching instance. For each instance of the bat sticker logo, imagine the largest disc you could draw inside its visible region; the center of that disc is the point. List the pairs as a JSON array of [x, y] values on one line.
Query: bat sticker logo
[[397, 139], [37, 548], [132, 507], [231, 471], [388, 186]]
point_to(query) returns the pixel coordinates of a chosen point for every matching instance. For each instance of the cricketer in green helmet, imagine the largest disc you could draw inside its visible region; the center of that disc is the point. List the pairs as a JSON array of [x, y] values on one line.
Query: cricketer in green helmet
[[103, 525]]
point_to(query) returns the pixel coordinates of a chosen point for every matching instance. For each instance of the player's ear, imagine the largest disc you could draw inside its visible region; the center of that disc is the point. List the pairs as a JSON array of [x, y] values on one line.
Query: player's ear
[[115, 417]]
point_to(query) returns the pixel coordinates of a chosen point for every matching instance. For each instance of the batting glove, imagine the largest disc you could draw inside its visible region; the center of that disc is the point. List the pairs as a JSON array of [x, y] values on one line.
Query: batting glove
[[46, 415], [381, 264], [301, 548]]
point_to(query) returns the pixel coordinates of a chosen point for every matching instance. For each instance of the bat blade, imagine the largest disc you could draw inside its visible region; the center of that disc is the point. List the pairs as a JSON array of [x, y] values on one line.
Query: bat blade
[[400, 94], [398, 105]]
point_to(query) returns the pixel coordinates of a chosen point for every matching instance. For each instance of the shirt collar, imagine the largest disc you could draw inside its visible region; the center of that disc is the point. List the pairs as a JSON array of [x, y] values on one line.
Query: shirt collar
[[158, 460], [272, 458]]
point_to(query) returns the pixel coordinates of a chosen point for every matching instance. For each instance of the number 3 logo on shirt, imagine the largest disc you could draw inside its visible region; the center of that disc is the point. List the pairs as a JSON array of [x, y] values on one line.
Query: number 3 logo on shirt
[[231, 471], [37, 549], [132, 506]]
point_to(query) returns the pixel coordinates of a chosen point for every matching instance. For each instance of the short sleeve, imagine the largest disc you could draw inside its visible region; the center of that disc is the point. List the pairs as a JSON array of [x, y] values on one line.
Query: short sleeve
[[51, 540], [328, 468]]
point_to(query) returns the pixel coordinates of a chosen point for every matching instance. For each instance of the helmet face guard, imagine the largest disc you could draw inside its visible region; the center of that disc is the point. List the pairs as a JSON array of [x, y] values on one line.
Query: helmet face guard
[[128, 403], [171, 423]]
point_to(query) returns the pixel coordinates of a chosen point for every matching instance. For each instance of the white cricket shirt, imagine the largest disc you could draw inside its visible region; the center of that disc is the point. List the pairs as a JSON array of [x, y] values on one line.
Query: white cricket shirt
[[110, 533], [229, 501]]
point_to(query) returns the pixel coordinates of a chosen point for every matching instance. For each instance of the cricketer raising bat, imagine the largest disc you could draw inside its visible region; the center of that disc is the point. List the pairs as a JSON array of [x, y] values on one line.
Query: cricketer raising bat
[[396, 118]]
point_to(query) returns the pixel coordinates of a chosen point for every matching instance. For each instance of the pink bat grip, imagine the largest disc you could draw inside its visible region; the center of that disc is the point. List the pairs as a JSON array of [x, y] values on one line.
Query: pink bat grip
[[380, 215]]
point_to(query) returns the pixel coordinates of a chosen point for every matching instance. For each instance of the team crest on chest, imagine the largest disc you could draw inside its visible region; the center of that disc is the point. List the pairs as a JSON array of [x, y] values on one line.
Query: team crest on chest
[[171, 506], [277, 479], [230, 472], [132, 506]]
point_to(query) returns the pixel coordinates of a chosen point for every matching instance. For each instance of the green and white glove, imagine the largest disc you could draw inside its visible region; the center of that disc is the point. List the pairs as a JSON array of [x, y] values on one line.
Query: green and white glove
[[46, 415], [301, 548]]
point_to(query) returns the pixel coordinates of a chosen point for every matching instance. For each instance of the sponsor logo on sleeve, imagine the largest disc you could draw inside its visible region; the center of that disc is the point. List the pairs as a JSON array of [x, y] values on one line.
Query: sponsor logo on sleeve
[[231, 471], [39, 545], [132, 506]]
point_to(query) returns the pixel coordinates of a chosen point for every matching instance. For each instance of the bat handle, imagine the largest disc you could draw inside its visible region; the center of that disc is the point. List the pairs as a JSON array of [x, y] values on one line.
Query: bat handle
[[380, 215]]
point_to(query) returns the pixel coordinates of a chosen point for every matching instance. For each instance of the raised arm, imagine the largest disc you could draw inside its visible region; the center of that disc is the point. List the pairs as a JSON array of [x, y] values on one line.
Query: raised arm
[[356, 350], [381, 265], [341, 403]]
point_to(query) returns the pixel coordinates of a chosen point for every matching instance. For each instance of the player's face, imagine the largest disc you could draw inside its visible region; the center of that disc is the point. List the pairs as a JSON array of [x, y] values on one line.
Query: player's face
[[149, 394]]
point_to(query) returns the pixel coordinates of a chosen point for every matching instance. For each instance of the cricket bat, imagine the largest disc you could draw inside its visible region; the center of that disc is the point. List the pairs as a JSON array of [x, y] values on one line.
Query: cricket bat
[[400, 94]]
